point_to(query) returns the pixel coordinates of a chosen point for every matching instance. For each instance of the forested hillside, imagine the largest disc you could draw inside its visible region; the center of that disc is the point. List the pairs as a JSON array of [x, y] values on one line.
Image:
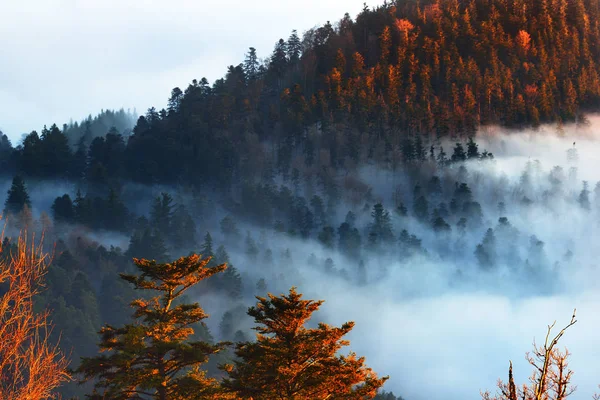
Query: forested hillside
[[355, 162], [383, 86]]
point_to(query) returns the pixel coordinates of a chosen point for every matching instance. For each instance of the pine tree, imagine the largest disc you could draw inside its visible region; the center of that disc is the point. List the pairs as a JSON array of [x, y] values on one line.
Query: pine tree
[[229, 228], [183, 235], [251, 64], [153, 356], [207, 246], [17, 198], [440, 225], [442, 159], [162, 213], [381, 226], [252, 250], [289, 361], [421, 208], [62, 209], [327, 237], [226, 326], [147, 242], [472, 149], [584, 197], [486, 251], [458, 153], [261, 285], [293, 47]]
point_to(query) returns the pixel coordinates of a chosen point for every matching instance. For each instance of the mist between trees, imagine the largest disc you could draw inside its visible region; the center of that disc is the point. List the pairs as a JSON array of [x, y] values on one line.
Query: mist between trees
[[346, 165], [457, 251]]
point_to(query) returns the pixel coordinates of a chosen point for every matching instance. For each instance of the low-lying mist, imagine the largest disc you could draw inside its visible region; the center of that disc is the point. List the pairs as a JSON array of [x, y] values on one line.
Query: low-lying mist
[[441, 324], [461, 285]]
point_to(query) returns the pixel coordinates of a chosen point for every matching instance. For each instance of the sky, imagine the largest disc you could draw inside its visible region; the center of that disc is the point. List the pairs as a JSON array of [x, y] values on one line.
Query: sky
[[64, 59]]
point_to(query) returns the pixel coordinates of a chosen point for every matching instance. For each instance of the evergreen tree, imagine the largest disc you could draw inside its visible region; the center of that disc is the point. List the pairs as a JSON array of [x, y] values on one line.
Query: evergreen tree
[[183, 229], [421, 209], [278, 63], [17, 198], [207, 246], [289, 361], [226, 327], [62, 209], [362, 273], [82, 208], [293, 47], [252, 250], [154, 356], [381, 227], [440, 225], [147, 242], [349, 240], [329, 265], [229, 228], [486, 251], [327, 237], [458, 154], [316, 202], [116, 213], [251, 64], [472, 149], [442, 158], [584, 197], [162, 213]]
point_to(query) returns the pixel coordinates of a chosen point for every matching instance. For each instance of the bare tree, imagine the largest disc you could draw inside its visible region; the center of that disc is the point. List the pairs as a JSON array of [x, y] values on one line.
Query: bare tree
[[31, 367], [551, 376]]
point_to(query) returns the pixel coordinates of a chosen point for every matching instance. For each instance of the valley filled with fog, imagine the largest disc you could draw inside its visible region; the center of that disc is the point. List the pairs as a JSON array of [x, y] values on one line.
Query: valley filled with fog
[[460, 267]]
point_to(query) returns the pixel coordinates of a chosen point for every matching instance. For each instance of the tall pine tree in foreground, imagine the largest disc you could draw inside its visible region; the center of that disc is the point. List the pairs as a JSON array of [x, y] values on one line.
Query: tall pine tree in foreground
[[289, 361], [153, 357]]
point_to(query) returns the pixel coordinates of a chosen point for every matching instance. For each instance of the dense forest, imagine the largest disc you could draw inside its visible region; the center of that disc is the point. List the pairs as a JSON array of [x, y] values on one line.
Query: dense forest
[[371, 154]]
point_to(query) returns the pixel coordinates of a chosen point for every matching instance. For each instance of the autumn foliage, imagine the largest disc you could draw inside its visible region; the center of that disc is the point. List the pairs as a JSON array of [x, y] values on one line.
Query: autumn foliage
[[290, 361], [31, 367], [153, 357]]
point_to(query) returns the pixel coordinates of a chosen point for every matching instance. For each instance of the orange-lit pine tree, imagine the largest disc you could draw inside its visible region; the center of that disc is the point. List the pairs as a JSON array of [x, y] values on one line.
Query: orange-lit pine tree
[[153, 357], [289, 361], [31, 367]]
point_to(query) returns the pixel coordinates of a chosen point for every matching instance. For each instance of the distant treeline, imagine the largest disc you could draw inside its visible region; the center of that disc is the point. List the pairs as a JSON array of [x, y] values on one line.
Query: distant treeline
[[383, 87]]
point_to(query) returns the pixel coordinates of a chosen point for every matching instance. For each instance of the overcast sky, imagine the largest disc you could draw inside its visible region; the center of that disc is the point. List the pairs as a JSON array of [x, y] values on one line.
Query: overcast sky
[[64, 59]]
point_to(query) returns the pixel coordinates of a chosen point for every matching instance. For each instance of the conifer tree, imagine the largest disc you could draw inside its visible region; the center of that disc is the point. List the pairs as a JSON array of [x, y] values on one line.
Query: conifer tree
[[293, 47], [162, 213], [17, 198], [154, 357], [207, 246], [381, 226], [251, 64], [62, 209], [251, 247], [458, 153], [289, 361], [584, 197]]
